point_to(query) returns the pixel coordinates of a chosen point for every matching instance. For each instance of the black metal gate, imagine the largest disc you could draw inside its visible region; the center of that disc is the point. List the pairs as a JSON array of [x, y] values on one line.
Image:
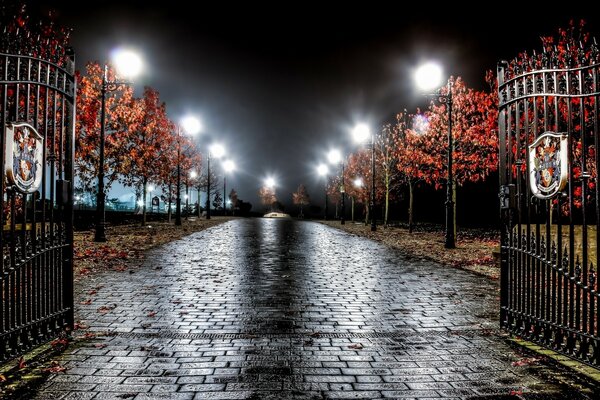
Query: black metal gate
[[37, 100], [549, 134]]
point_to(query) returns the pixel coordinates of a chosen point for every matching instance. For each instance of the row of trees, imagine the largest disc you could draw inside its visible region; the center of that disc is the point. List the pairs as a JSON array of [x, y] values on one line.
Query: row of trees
[[414, 149], [143, 145]]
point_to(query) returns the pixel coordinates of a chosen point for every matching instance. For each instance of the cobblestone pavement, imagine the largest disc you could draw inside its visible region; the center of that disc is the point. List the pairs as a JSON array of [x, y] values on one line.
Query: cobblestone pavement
[[279, 309]]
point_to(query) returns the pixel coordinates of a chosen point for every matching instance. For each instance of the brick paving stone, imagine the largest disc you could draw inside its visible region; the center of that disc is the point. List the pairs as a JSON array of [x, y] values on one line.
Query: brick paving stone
[[273, 309]]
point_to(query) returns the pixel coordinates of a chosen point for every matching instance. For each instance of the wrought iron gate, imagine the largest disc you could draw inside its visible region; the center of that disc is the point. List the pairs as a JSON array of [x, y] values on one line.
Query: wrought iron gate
[[550, 199], [37, 100]]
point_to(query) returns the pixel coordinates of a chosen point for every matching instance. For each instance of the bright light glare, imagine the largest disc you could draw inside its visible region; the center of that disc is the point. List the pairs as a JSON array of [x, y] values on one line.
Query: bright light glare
[[228, 202], [191, 124], [150, 188], [322, 169], [270, 182], [140, 202], [217, 151], [420, 124], [185, 196], [193, 174], [361, 133], [428, 76], [334, 156], [358, 182], [229, 165], [127, 63]]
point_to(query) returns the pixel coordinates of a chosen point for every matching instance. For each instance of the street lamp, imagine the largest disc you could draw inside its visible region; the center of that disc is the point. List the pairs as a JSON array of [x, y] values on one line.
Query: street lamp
[[335, 157], [322, 170], [358, 183], [190, 125], [429, 77], [127, 64], [228, 166], [216, 151], [361, 133]]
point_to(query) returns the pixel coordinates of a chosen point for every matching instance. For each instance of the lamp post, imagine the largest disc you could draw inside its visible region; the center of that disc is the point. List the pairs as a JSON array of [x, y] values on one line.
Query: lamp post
[[335, 157], [194, 175], [358, 183], [361, 133], [429, 77], [191, 125], [127, 64], [322, 170], [228, 166], [217, 151]]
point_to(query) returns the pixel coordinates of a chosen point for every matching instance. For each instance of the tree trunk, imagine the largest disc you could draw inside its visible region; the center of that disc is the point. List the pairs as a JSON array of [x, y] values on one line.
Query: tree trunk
[[367, 208], [411, 209], [145, 183], [387, 198], [170, 202], [336, 211], [454, 201], [352, 200], [199, 212]]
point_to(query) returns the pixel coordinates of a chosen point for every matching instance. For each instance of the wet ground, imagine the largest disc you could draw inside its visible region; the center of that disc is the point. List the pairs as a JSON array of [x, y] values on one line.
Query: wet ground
[[281, 309]]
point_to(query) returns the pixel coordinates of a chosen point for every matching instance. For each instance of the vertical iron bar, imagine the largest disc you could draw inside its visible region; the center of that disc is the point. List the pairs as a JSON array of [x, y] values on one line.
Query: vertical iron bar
[[597, 190], [528, 253], [571, 186], [582, 308], [504, 244]]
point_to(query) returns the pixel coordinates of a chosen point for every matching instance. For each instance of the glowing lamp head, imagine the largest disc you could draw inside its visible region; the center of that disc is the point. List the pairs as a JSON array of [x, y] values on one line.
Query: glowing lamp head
[[127, 63], [150, 188], [334, 156], [191, 125], [229, 166], [217, 151], [361, 133], [193, 174], [140, 202], [428, 76], [322, 170], [270, 182], [358, 182]]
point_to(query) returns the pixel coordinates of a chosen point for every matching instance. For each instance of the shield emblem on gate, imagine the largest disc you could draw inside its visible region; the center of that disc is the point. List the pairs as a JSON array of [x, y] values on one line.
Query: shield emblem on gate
[[548, 164], [23, 155]]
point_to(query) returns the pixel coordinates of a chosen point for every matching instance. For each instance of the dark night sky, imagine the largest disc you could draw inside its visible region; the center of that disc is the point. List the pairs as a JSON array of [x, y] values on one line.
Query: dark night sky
[[281, 85]]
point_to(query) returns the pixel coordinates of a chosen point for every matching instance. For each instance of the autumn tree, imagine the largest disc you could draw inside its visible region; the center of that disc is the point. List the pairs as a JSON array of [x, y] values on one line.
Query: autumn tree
[[267, 196], [333, 191], [386, 160], [121, 113], [300, 198], [218, 201], [141, 151], [215, 186], [474, 130], [410, 151], [359, 166], [233, 198]]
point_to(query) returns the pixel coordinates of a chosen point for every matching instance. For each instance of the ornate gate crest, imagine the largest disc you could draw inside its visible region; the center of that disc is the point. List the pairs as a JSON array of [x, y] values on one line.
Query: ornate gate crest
[[23, 156], [548, 164]]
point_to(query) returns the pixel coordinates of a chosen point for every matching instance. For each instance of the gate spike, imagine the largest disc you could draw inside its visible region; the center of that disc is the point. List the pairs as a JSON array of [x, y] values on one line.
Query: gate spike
[[577, 269]]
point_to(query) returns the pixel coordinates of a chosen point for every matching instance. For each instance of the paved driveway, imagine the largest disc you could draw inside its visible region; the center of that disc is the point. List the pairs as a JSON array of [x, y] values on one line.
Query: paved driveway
[[280, 309]]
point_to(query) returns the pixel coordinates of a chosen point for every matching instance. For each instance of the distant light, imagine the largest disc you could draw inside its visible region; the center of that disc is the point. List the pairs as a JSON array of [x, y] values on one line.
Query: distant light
[[229, 165], [334, 156], [361, 133], [193, 174], [217, 150], [140, 202], [358, 182], [127, 63], [420, 123], [150, 188], [185, 196], [228, 202], [270, 182], [191, 125], [77, 198], [322, 169], [428, 76]]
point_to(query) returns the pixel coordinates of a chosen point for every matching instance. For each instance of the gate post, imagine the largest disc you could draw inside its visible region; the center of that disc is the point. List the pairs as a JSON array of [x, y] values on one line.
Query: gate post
[[67, 260], [504, 211]]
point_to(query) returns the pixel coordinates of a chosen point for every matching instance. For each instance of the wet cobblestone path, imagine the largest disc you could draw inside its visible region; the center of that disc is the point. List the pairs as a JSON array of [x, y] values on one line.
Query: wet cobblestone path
[[279, 309]]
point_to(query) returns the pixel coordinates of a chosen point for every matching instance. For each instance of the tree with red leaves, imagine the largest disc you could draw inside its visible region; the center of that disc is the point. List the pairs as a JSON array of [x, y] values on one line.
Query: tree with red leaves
[[267, 196], [475, 134], [300, 198], [359, 166]]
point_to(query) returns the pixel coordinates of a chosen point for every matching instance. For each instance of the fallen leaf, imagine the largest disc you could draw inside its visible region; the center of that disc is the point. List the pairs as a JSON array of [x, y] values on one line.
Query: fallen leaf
[[55, 368], [79, 325], [2, 378], [126, 395], [315, 334], [99, 345], [22, 363], [59, 343], [151, 314], [525, 361], [356, 346], [92, 292], [86, 302]]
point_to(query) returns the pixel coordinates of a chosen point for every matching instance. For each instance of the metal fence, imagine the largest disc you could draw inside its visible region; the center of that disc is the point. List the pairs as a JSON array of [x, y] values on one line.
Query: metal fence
[[37, 100], [548, 131]]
